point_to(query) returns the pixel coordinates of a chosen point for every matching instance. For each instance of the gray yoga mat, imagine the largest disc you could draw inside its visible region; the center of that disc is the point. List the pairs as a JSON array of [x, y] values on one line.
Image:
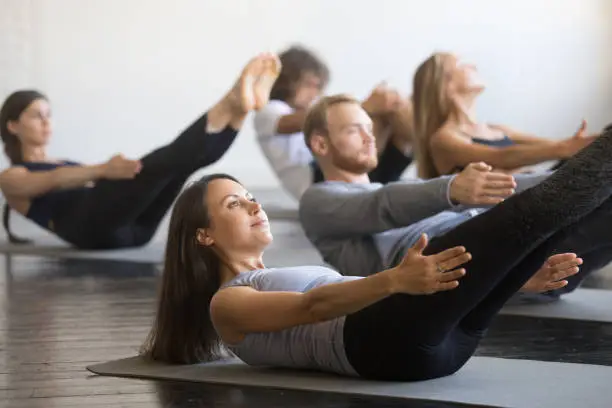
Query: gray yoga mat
[[277, 255], [54, 248], [484, 380], [582, 304]]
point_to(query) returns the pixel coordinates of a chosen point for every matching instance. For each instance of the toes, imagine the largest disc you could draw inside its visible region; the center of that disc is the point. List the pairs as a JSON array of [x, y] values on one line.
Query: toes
[[271, 64]]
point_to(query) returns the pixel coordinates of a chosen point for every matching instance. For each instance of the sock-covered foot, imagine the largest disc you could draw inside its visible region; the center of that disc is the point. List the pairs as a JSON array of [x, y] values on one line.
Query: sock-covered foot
[[271, 67]]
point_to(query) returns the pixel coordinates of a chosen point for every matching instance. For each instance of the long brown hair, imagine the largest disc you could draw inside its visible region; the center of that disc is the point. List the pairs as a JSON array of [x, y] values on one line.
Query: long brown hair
[[431, 109], [183, 332], [297, 61], [12, 108]]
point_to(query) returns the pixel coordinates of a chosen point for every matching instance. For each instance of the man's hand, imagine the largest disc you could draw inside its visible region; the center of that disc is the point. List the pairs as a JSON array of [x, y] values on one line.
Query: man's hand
[[552, 274], [478, 185]]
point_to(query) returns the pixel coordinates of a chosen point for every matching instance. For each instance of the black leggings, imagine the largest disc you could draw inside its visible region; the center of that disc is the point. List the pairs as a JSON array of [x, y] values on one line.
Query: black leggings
[[127, 213], [411, 338]]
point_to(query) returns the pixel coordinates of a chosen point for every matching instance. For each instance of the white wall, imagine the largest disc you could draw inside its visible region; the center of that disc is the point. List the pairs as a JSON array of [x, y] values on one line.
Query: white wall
[[126, 75]]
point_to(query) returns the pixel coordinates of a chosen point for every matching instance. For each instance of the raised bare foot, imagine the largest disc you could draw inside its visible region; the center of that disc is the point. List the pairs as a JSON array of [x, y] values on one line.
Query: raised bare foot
[[271, 67], [552, 274], [241, 98], [248, 93]]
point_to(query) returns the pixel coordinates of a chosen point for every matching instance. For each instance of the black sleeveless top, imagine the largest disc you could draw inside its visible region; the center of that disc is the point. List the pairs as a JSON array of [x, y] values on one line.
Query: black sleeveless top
[[503, 142], [48, 209]]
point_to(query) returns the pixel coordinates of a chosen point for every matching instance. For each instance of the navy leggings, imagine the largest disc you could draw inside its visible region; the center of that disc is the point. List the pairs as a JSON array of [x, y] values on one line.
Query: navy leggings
[[127, 213], [410, 338]]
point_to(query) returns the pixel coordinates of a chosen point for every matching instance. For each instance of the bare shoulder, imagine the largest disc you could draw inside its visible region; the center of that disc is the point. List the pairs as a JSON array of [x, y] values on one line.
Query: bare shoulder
[[224, 297], [447, 136], [501, 128], [221, 312]]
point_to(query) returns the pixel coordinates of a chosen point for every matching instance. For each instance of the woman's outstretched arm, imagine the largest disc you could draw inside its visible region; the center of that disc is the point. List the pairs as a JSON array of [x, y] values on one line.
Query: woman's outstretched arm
[[526, 138], [237, 311], [457, 151], [19, 182]]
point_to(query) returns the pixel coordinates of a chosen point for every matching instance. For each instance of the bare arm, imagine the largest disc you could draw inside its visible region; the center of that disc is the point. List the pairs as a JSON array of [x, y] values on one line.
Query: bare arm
[[280, 119], [242, 310], [290, 124], [523, 138], [20, 182], [459, 152], [294, 122]]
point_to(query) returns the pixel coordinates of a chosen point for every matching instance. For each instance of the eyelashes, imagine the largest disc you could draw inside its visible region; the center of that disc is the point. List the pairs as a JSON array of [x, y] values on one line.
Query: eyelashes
[[237, 203]]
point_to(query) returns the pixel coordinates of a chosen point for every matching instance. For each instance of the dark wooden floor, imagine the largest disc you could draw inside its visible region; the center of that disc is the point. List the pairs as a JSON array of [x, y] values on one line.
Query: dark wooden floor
[[57, 316]]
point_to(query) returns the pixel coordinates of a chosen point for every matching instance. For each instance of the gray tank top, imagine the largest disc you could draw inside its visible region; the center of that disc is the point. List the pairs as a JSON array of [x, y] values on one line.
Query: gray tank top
[[318, 346]]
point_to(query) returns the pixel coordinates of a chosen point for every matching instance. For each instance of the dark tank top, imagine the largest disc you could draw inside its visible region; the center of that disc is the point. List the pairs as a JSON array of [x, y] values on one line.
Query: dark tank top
[[49, 209], [503, 142]]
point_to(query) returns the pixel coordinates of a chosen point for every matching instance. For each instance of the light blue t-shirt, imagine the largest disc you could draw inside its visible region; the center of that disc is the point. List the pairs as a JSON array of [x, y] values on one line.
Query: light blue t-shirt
[[318, 346]]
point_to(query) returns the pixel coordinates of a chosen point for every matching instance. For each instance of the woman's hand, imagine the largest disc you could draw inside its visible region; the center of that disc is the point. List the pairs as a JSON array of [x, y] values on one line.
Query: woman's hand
[[118, 167], [552, 275], [418, 274], [578, 141]]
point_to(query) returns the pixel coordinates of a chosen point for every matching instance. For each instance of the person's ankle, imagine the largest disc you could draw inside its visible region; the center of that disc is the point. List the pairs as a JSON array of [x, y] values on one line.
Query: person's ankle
[[219, 116]]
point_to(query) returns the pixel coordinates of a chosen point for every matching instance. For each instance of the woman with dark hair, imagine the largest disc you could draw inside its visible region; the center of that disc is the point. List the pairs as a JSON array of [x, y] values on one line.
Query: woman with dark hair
[[419, 320], [119, 203], [302, 80]]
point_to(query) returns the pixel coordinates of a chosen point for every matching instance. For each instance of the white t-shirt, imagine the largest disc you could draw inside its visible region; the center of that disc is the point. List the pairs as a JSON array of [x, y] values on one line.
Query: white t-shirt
[[288, 155]]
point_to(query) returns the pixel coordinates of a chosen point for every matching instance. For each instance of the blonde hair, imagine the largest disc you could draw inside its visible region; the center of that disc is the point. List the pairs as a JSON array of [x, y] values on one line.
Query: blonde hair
[[316, 118], [432, 108]]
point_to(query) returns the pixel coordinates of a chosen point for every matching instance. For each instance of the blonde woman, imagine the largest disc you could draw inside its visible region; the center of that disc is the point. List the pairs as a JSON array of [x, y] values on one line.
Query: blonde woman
[[449, 135]]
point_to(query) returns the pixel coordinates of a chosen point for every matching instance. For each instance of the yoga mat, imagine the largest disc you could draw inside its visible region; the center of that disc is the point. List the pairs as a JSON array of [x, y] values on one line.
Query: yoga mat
[[581, 304], [483, 380], [277, 255], [51, 247]]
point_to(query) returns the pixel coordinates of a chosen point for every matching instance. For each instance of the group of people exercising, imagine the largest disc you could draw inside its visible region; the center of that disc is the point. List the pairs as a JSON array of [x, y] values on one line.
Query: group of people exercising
[[417, 268]]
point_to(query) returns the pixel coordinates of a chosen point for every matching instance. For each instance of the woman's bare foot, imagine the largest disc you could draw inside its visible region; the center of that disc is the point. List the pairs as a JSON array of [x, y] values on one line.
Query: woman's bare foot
[[271, 67], [248, 93]]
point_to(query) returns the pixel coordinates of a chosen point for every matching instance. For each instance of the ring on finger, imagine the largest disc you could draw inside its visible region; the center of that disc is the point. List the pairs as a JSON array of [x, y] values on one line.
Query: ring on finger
[[440, 269]]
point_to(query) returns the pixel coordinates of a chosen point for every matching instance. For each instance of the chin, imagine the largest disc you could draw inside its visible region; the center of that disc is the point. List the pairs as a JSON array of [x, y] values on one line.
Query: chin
[[42, 140], [370, 164], [477, 87], [267, 239]]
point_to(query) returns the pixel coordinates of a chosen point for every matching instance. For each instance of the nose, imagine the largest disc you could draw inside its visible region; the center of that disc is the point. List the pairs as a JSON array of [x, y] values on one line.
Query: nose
[[46, 120], [368, 135], [254, 207]]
